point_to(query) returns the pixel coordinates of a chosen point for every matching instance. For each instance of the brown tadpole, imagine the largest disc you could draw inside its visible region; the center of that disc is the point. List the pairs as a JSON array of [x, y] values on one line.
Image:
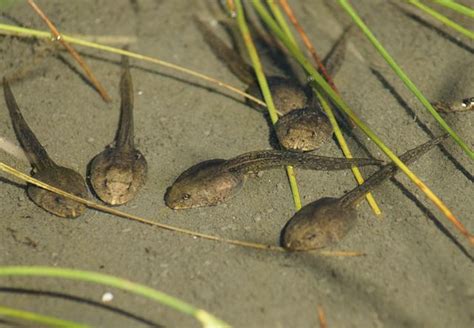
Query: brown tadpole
[[464, 105], [45, 169], [119, 172], [328, 220], [296, 131], [214, 181]]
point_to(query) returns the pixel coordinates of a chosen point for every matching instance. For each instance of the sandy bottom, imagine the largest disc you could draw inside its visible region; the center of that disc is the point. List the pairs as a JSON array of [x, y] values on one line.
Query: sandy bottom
[[418, 269]]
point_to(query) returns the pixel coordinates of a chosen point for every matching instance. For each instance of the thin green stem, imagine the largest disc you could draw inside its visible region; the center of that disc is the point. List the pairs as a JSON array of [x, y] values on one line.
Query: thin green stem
[[281, 20], [403, 76], [443, 19], [345, 149], [108, 280], [267, 96], [39, 318], [456, 7], [319, 82]]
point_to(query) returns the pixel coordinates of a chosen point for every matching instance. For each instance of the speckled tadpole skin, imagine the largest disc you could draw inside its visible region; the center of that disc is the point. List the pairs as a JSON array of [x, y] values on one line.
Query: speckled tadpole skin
[[296, 130], [119, 172], [328, 220], [45, 169], [215, 181]]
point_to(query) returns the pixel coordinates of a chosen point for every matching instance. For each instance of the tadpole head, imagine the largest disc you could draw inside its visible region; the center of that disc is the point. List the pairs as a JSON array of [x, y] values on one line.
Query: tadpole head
[[204, 184], [117, 176], [303, 130], [64, 179], [318, 225]]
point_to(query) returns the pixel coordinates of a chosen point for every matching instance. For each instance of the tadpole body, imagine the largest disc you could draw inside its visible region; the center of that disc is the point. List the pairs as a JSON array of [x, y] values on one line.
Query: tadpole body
[[214, 181], [45, 169], [328, 220], [119, 172]]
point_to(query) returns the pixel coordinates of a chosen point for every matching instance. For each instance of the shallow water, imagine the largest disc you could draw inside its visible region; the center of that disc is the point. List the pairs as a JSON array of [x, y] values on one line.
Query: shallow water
[[414, 274]]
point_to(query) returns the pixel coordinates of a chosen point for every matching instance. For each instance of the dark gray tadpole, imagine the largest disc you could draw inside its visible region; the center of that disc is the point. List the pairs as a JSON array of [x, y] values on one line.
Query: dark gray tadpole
[[45, 169], [118, 173], [327, 220], [296, 131], [214, 181]]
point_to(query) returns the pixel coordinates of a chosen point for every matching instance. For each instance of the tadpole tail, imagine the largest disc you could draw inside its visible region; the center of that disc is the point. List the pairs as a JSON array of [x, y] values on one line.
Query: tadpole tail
[[336, 56], [226, 54], [125, 133], [268, 159], [34, 151], [388, 170]]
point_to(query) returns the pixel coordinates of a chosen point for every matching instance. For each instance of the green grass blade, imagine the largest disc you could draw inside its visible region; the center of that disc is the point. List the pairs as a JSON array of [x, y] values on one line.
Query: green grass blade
[[404, 77], [320, 82], [38, 318], [262, 82], [206, 319], [456, 7], [281, 20], [443, 19], [346, 151]]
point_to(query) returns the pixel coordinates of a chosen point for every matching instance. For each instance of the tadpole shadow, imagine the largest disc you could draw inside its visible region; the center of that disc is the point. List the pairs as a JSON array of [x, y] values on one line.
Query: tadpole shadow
[[422, 125], [6, 323], [77, 299], [431, 217], [155, 72], [12, 183], [12, 19], [73, 69]]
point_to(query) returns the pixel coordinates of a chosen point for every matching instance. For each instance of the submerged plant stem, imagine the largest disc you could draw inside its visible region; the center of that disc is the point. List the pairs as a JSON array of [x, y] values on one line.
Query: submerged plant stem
[[262, 81], [456, 7], [322, 317], [347, 153], [443, 19], [103, 93]]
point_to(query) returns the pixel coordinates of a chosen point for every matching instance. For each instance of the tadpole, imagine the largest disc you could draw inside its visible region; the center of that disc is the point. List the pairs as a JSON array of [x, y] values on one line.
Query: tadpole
[[328, 219], [214, 181], [45, 169], [119, 172]]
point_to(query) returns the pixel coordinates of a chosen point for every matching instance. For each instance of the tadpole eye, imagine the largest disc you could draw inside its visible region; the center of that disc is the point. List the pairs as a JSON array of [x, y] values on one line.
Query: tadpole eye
[[58, 199], [186, 196]]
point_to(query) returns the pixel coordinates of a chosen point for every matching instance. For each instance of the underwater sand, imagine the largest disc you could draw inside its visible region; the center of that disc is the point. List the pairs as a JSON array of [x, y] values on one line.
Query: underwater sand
[[418, 270]]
